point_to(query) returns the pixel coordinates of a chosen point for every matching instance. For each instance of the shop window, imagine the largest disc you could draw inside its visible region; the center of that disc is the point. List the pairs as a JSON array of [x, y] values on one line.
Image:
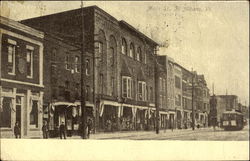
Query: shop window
[[11, 56], [126, 87], [34, 114], [124, 47], [87, 67], [77, 64], [29, 59], [142, 94], [5, 112]]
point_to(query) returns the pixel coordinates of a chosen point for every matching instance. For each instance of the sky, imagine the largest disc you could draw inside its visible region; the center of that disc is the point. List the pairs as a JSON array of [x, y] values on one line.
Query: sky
[[210, 37]]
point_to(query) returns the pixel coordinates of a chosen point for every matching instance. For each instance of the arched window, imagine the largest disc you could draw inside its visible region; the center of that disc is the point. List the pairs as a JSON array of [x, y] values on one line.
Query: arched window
[[139, 55], [112, 50], [124, 47], [131, 50]]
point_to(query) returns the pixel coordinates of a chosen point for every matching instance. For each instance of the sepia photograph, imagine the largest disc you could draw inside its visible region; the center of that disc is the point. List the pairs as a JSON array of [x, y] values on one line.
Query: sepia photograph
[[159, 80]]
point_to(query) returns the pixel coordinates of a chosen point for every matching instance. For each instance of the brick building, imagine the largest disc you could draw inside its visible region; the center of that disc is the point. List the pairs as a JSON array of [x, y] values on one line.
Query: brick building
[[201, 100], [225, 103], [21, 84], [121, 63]]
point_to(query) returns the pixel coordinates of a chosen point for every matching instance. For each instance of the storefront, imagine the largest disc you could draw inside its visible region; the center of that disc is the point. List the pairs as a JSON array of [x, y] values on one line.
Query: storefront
[[24, 107], [68, 113], [163, 120]]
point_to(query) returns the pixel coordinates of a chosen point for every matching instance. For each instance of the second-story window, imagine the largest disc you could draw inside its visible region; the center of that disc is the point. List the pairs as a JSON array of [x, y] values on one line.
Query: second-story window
[[11, 56], [112, 86], [77, 64], [131, 50], [127, 87], [101, 84], [124, 47], [112, 56], [87, 67], [67, 62], [142, 92], [163, 86], [139, 54], [177, 82], [29, 59], [87, 93]]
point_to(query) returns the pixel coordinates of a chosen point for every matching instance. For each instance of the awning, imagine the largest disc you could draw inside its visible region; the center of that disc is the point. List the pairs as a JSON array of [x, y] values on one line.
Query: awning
[[63, 104]]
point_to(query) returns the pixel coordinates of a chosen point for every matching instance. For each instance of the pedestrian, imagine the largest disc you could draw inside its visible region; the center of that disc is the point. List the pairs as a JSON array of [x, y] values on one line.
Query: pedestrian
[[62, 130], [45, 130], [17, 130], [89, 125]]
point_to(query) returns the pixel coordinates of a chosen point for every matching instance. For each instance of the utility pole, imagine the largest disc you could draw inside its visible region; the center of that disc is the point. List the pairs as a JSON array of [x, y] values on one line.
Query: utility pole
[[193, 122], [156, 94], [83, 78]]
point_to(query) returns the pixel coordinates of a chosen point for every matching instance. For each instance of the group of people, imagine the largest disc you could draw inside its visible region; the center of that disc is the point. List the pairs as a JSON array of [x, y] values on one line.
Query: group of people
[[45, 130]]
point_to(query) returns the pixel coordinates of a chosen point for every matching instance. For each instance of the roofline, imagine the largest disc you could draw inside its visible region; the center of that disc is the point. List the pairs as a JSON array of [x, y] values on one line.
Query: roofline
[[24, 28], [137, 31]]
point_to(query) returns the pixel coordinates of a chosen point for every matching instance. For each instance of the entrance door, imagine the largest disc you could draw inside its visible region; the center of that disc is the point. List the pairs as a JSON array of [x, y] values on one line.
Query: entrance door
[[19, 111]]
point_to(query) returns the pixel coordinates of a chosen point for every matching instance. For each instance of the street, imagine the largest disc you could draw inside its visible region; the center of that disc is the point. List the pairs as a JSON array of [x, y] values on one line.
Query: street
[[188, 134]]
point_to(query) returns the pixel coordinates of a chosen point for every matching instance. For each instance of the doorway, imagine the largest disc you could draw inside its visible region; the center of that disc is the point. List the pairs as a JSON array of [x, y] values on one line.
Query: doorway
[[19, 111]]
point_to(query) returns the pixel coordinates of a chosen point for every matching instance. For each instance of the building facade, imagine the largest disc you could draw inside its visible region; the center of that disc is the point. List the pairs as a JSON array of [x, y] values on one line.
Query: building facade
[[21, 79], [122, 58]]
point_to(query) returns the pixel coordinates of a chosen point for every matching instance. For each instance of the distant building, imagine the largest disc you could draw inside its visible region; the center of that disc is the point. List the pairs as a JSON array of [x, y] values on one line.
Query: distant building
[[226, 103], [21, 84]]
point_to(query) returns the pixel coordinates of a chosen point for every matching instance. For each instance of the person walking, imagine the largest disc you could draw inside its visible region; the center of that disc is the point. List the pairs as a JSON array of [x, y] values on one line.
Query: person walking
[[17, 130], [62, 130], [45, 130], [89, 125]]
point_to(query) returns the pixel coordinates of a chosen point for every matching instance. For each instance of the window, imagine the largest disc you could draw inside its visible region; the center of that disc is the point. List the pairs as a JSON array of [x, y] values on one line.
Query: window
[[11, 56], [5, 112], [112, 56], [127, 87], [67, 62], [101, 83], [160, 84], [29, 59], [67, 84], [112, 86], [161, 102], [142, 92], [34, 113], [145, 58], [53, 54], [139, 55], [163, 86], [178, 100], [87, 93], [87, 67], [124, 47], [177, 82], [131, 50], [77, 64], [151, 93], [100, 47]]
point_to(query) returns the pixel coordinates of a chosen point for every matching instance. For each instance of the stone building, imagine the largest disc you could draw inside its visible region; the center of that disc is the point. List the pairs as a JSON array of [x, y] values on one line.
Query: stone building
[[122, 61], [21, 79]]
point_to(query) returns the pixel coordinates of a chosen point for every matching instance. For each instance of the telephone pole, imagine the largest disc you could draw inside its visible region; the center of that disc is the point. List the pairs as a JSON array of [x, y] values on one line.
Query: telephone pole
[[83, 78], [193, 121], [156, 94]]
